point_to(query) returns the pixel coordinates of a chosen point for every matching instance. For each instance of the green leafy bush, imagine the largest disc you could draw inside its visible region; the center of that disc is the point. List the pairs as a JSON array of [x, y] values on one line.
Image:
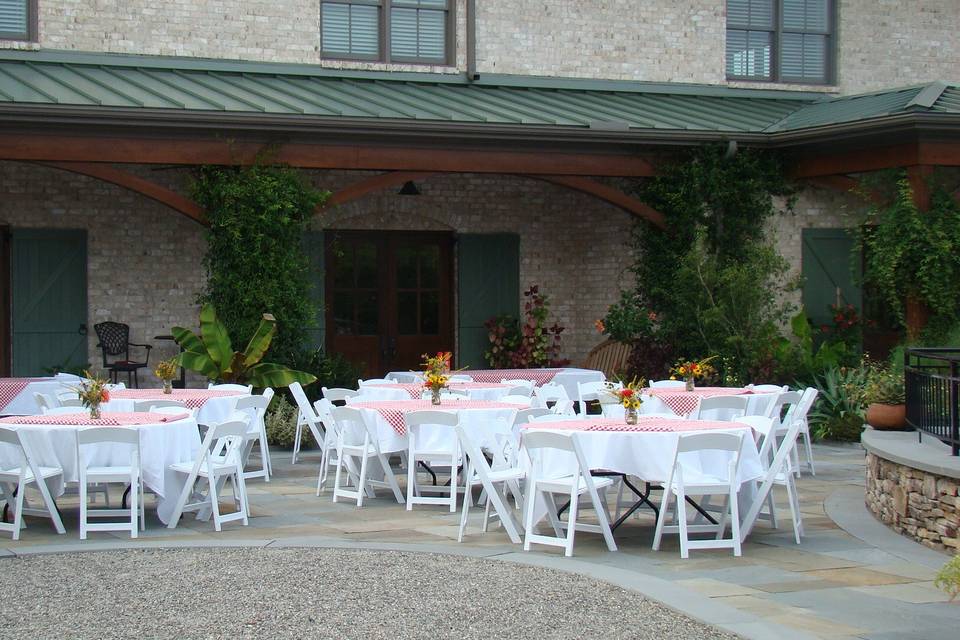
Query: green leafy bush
[[529, 344], [948, 578], [281, 424], [255, 263], [838, 413], [331, 370], [627, 319]]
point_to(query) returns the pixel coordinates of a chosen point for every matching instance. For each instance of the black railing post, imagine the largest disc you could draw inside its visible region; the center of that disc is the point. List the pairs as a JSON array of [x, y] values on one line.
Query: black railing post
[[954, 417]]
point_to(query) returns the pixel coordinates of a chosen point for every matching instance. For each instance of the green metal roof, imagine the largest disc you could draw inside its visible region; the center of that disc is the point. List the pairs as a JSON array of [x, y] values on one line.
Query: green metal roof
[[180, 85]]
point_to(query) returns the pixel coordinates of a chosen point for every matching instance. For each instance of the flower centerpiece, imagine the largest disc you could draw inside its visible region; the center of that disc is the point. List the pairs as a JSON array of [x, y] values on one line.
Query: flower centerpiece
[[629, 397], [92, 391], [690, 370], [166, 371], [436, 373]]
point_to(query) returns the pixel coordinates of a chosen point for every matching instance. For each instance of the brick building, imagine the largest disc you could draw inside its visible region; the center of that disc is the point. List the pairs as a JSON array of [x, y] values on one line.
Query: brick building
[[516, 123]]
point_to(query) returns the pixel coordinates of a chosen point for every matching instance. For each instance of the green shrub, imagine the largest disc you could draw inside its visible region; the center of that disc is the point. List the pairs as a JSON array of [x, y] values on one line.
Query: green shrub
[[627, 319], [948, 578], [838, 414], [332, 370], [281, 424]]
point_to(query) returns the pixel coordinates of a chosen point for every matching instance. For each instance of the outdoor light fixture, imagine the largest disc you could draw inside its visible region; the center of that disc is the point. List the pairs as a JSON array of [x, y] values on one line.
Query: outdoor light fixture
[[409, 188]]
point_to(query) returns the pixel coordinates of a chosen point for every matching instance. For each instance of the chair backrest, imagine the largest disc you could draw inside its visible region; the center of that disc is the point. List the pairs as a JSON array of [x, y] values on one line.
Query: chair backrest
[[761, 425], [114, 338], [520, 390], [268, 393], [174, 411], [414, 419], [257, 403], [150, 405], [26, 460], [776, 410], [360, 382], [229, 386], [306, 409], [407, 377], [709, 441], [351, 428], [787, 429], [550, 392], [460, 377], [535, 440], [563, 408], [454, 393], [523, 415], [519, 382], [335, 394], [667, 384], [94, 435], [768, 388], [552, 417], [227, 438], [521, 400], [45, 401], [609, 356], [723, 407], [115, 386], [587, 391], [324, 409]]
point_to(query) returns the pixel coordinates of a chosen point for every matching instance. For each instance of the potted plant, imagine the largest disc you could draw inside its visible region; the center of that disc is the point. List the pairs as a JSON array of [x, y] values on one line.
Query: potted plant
[[884, 397]]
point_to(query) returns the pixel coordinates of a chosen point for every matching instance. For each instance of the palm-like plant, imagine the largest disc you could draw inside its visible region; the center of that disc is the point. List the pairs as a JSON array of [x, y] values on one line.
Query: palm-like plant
[[211, 354]]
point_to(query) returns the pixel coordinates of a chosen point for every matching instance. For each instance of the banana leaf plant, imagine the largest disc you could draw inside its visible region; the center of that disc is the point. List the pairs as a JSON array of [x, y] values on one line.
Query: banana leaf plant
[[211, 354]]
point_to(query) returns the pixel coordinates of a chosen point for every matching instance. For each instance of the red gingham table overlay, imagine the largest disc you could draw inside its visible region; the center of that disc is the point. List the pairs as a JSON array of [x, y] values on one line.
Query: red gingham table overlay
[[192, 398], [683, 402], [539, 376], [106, 419], [10, 388], [415, 391], [652, 424], [392, 410]]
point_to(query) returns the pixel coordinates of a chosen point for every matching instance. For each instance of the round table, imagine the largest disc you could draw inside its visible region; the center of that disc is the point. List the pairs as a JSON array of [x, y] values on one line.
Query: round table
[[212, 406], [683, 402], [164, 440], [491, 391]]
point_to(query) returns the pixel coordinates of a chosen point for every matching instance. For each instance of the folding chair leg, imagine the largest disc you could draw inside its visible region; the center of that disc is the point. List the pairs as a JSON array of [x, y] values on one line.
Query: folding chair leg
[[661, 518], [571, 522], [682, 521], [465, 510], [735, 522], [214, 501], [363, 481], [135, 498], [809, 451], [50, 505], [411, 480], [82, 493], [298, 435]]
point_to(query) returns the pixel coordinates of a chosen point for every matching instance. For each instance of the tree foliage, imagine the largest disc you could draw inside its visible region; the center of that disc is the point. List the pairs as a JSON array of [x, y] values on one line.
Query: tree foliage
[[255, 262]]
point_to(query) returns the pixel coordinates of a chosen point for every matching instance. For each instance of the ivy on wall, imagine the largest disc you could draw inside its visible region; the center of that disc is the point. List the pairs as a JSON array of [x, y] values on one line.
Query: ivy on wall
[[255, 262]]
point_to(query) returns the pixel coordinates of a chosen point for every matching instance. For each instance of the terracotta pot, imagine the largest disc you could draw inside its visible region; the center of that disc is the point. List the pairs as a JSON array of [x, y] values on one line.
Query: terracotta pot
[[887, 417]]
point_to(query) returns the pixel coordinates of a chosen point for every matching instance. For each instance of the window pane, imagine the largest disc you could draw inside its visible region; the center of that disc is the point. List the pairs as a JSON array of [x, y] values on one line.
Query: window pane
[[343, 268], [367, 265], [747, 14], [804, 57], [418, 33], [430, 267], [407, 268], [748, 54], [403, 33], [13, 17], [343, 312], [805, 15], [432, 34], [407, 313], [335, 29], [364, 30], [430, 313], [350, 29], [368, 313]]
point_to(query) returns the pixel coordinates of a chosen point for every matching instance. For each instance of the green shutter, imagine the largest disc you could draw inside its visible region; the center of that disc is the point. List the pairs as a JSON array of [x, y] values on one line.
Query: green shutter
[[314, 248], [827, 274], [489, 285]]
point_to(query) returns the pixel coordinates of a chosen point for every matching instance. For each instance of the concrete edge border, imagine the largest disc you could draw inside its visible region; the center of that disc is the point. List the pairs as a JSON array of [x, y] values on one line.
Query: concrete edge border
[[902, 447], [680, 599], [846, 506]]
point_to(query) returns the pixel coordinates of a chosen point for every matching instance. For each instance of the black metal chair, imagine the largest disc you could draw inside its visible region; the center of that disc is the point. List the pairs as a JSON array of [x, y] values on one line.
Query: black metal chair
[[115, 341]]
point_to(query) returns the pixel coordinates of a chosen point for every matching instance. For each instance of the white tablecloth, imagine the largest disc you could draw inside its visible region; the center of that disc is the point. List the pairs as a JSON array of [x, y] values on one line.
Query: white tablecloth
[[385, 391], [24, 404], [213, 411], [567, 377], [161, 445]]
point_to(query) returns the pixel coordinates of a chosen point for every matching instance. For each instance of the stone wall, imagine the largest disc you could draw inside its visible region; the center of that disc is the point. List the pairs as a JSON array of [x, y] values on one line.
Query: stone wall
[[882, 43], [918, 504]]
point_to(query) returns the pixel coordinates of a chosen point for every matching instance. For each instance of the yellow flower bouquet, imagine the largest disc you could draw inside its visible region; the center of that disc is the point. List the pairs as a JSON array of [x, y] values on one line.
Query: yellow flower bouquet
[[436, 373], [166, 371], [629, 398], [91, 392], [690, 370]]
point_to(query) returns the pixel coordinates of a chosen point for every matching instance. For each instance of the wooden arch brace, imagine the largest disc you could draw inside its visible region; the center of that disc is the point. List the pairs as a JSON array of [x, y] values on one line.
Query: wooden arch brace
[[577, 183], [127, 180]]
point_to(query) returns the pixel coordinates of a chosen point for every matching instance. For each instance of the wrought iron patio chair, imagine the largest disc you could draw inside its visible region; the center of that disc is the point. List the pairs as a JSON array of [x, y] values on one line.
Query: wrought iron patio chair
[[115, 342]]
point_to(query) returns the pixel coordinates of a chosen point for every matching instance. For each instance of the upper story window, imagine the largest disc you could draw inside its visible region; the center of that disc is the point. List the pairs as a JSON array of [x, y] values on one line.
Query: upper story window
[[418, 31], [18, 19], [780, 40]]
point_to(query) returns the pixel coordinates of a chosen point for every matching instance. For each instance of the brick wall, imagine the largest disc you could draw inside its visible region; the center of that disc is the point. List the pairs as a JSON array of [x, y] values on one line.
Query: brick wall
[[882, 43]]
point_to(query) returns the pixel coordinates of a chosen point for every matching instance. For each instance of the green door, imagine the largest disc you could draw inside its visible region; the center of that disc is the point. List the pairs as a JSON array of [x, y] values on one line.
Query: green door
[[827, 274], [488, 266], [48, 269]]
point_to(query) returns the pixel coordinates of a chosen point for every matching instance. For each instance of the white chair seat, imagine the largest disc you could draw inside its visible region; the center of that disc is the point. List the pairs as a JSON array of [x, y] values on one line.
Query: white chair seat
[[504, 474], [565, 484], [109, 471], [204, 471], [12, 475]]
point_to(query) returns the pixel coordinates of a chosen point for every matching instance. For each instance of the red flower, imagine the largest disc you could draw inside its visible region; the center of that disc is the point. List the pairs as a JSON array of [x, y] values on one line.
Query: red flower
[[626, 393], [105, 395]]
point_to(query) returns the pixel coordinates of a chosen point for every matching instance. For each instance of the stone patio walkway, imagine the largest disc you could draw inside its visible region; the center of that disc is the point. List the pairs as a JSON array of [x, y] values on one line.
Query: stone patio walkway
[[850, 578]]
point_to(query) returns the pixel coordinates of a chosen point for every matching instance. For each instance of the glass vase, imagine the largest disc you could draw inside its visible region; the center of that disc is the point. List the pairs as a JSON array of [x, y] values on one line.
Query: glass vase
[[95, 411], [690, 385], [630, 415], [168, 386], [435, 396]]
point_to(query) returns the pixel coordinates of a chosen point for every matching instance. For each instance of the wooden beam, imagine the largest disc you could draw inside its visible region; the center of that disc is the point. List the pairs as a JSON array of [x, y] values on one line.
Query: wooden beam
[[135, 183], [609, 194], [845, 184], [61, 148], [826, 163], [371, 184], [919, 177]]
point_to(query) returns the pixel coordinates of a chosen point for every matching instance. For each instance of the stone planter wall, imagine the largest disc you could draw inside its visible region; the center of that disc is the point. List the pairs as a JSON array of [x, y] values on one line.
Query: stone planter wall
[[919, 504]]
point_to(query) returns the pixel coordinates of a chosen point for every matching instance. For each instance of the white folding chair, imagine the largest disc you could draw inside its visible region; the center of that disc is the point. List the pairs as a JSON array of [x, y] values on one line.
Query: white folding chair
[[150, 405], [520, 390], [338, 394], [523, 401], [519, 382], [69, 399], [15, 480], [361, 383], [431, 438], [243, 388], [724, 408], [687, 480], [306, 416], [495, 480], [784, 410], [115, 386], [553, 417], [563, 408], [779, 471], [127, 474], [667, 384], [524, 415], [220, 459], [762, 398], [550, 393], [45, 402], [592, 391], [256, 408], [328, 458], [575, 482], [404, 377], [355, 439], [801, 414]]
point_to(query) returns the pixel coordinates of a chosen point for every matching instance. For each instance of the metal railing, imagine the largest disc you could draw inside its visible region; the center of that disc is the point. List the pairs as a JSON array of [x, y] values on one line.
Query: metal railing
[[932, 384]]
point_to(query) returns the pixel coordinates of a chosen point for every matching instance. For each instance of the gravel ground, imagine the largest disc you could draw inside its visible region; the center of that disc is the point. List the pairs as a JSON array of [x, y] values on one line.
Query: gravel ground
[[317, 593]]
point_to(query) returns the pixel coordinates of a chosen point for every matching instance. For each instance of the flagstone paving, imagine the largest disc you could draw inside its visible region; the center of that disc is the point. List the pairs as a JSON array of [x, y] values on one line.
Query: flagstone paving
[[834, 585]]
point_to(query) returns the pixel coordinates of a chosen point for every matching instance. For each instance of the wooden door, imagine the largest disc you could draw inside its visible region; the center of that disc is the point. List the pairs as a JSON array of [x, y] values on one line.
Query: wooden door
[[49, 299], [389, 298]]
